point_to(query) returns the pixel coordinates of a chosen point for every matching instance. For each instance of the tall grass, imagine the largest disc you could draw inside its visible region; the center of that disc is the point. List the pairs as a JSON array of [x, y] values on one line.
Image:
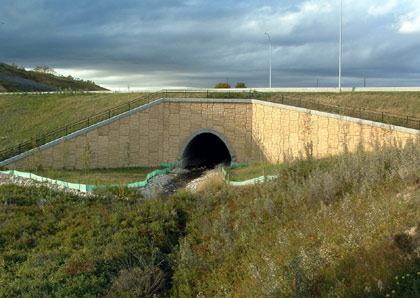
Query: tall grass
[[345, 226], [326, 226]]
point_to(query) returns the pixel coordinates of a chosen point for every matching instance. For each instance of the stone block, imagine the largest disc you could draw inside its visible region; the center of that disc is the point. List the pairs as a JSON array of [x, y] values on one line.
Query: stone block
[[124, 130], [124, 120], [174, 108], [103, 130], [114, 135], [134, 120]]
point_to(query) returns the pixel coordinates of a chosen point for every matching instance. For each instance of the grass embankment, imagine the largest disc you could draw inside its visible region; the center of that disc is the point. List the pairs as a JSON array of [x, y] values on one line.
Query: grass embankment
[[25, 116], [400, 103], [121, 176], [334, 226]]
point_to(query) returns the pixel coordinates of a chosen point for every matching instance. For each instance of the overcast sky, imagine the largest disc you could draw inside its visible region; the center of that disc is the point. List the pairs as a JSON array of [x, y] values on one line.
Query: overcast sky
[[197, 43]]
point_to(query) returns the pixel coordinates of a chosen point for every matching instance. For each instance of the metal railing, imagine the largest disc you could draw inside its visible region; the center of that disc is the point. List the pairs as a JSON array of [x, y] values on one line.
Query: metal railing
[[75, 126], [388, 118], [377, 116]]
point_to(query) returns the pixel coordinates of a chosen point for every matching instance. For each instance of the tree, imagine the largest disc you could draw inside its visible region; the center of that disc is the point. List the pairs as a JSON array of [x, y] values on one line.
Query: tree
[[240, 85], [44, 69], [222, 85]]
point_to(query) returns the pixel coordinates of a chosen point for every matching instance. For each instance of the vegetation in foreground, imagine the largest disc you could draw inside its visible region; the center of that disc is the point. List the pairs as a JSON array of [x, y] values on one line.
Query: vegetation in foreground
[[339, 227], [60, 245], [334, 228]]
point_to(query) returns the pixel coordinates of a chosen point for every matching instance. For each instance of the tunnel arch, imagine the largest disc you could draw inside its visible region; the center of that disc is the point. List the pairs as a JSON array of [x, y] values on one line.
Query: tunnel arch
[[195, 150]]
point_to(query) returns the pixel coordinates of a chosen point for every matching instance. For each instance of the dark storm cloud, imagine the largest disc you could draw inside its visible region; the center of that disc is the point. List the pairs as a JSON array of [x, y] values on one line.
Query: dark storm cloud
[[199, 43]]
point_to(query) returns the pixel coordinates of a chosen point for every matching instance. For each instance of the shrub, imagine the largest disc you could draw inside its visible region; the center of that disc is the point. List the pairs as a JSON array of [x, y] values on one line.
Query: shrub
[[146, 279], [240, 85], [222, 85]]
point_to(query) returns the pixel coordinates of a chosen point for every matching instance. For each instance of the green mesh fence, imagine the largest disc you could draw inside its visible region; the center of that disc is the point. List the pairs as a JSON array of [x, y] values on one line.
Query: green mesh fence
[[88, 187], [260, 179]]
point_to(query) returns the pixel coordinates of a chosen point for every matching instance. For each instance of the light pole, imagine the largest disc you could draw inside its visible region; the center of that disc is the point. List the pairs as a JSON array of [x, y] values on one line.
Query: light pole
[[269, 39], [340, 47]]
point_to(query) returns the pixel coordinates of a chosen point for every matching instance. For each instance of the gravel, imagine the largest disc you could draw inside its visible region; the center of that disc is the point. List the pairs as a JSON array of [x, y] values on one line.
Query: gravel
[[11, 179], [161, 184], [194, 185]]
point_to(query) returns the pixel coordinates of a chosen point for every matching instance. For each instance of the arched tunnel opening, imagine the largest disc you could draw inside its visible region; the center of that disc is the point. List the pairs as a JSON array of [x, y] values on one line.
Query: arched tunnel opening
[[205, 150]]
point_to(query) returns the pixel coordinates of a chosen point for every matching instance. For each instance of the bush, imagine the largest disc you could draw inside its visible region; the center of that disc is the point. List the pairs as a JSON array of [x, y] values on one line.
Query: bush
[[240, 85], [222, 85]]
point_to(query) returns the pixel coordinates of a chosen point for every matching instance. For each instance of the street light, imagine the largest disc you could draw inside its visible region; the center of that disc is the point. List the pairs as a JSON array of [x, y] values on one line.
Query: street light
[[269, 39], [340, 46]]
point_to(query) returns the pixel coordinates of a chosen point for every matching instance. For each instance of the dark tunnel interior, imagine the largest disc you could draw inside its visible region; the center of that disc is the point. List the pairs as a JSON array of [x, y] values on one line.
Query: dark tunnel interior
[[205, 150]]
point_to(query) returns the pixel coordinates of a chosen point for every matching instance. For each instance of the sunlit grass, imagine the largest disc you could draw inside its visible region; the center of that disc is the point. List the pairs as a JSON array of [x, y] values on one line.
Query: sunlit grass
[[120, 176], [400, 103], [252, 171], [331, 225], [23, 117]]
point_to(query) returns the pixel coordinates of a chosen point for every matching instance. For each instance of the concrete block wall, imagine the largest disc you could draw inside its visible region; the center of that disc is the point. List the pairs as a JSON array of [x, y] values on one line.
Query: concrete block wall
[[257, 131], [282, 131], [181, 119]]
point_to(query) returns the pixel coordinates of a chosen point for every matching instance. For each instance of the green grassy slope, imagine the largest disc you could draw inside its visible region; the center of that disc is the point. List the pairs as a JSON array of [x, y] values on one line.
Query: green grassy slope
[[26, 116], [13, 79], [402, 103], [121, 176]]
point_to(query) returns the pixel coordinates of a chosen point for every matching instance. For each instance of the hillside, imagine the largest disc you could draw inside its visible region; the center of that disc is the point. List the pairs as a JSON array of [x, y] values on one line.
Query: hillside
[[345, 226], [13, 79], [25, 116]]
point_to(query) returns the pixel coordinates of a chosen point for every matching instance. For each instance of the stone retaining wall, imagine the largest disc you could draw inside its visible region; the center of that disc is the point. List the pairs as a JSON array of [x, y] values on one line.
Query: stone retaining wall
[[257, 131]]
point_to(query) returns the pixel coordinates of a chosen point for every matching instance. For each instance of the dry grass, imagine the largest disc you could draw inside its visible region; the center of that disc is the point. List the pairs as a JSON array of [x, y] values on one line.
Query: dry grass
[[212, 181], [330, 224], [401, 103]]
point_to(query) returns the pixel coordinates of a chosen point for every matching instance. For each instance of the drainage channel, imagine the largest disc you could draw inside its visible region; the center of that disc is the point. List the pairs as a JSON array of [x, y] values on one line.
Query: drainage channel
[[182, 179], [167, 184]]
